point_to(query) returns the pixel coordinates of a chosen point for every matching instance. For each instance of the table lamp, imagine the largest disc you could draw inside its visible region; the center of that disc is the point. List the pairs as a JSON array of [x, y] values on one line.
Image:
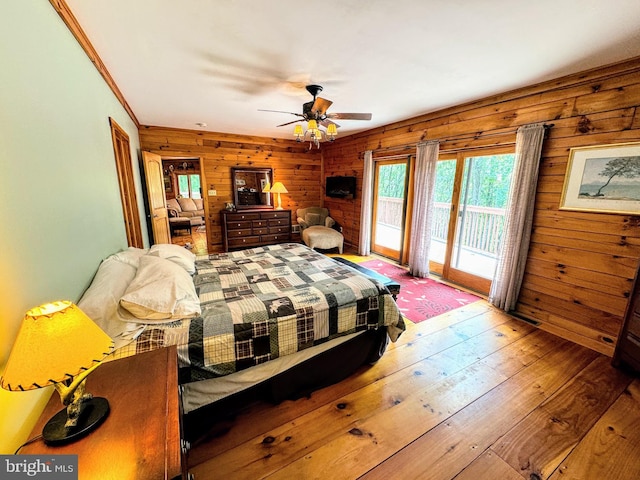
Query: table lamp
[[59, 345], [278, 188]]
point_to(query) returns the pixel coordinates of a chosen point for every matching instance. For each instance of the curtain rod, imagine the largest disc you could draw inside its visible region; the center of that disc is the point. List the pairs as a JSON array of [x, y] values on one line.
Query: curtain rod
[[391, 157], [547, 126]]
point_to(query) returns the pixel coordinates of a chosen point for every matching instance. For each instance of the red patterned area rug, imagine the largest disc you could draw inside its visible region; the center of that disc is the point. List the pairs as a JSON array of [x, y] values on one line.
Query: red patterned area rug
[[421, 298]]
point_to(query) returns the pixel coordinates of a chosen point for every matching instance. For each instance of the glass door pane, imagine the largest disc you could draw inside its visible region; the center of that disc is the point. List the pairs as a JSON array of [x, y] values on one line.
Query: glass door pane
[[481, 212], [445, 175], [389, 208]]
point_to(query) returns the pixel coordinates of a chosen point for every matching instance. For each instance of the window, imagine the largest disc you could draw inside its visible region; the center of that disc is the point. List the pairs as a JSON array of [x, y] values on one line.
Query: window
[[189, 186]]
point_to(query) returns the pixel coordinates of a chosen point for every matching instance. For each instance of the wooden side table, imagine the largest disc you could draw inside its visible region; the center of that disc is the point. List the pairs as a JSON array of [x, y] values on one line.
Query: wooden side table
[[140, 439]]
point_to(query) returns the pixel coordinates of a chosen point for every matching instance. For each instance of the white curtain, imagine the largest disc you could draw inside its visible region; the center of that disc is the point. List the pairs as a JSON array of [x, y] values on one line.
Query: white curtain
[[366, 212], [518, 222], [424, 181]]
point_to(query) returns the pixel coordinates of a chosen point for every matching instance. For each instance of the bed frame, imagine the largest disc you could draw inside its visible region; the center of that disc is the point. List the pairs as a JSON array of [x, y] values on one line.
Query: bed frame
[[326, 368]]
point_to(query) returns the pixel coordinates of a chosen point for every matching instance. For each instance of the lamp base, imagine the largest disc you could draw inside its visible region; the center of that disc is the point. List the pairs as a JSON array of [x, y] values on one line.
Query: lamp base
[[94, 412]]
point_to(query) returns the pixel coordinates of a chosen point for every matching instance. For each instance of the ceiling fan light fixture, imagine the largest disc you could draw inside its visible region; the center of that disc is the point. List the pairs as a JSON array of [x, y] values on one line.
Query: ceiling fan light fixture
[[314, 134], [332, 132], [314, 111]]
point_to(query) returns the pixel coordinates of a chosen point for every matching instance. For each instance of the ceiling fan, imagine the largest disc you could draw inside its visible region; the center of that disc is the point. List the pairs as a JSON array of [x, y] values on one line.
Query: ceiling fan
[[315, 112]]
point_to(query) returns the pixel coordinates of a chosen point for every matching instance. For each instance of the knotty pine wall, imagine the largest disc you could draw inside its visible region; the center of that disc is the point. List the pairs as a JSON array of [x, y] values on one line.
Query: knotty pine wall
[[297, 167], [580, 266]]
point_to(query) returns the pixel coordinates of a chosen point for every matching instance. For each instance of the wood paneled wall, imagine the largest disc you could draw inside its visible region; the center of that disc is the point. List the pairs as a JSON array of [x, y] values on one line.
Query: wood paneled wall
[[297, 167], [580, 265]]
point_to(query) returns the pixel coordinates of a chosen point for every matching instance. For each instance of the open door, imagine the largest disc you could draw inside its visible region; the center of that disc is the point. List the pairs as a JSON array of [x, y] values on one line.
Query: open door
[[389, 208], [155, 193]]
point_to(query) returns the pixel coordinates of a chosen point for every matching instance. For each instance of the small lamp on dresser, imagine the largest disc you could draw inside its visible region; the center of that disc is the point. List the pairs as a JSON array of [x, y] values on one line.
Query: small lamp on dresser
[[59, 345], [278, 188]]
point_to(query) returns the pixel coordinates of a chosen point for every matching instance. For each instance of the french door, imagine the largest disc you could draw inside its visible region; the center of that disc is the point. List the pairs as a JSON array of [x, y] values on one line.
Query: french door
[[471, 193], [389, 208]]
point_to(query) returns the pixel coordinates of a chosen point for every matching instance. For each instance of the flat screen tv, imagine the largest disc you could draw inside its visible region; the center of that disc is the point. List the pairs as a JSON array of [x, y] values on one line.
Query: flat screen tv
[[341, 187]]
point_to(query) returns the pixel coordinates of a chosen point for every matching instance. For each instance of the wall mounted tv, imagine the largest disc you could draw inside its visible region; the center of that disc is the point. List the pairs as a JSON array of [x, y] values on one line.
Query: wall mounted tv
[[341, 187]]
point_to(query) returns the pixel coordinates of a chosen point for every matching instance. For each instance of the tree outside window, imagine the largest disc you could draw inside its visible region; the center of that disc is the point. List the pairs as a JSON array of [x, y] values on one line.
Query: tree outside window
[[189, 186]]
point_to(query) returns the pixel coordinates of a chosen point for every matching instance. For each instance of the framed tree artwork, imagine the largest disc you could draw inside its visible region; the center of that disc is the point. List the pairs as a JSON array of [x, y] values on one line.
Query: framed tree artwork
[[604, 179]]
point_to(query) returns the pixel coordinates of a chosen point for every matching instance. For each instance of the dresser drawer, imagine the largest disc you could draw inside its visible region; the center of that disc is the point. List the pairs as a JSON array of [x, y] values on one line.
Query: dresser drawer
[[236, 217], [279, 222], [284, 229], [234, 225], [276, 214], [259, 223], [240, 233], [244, 241]]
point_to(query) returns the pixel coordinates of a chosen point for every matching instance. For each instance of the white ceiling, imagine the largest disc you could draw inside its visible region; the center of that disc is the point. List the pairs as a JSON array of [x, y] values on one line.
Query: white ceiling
[[219, 61]]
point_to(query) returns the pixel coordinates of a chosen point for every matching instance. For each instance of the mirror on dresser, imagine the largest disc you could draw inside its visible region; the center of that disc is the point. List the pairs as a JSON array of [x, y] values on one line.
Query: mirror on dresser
[[248, 184]]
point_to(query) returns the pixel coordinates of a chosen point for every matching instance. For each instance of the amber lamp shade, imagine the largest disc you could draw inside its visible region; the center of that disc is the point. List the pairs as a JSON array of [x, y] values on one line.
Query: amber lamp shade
[[278, 188], [58, 344]]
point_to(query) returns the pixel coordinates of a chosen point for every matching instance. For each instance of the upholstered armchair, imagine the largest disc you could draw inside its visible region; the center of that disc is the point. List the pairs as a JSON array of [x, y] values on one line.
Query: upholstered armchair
[[316, 229], [308, 217]]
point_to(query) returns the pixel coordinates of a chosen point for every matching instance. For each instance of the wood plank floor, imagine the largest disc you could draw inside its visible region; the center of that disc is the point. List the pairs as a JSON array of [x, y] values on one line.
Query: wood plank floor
[[196, 240], [473, 394]]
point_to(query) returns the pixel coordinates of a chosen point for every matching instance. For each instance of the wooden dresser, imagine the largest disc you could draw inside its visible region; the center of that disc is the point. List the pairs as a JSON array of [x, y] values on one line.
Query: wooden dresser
[[254, 228], [140, 439]]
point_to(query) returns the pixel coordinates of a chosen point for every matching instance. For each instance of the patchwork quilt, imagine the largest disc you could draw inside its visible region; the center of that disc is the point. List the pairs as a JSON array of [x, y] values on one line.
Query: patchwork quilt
[[263, 303]]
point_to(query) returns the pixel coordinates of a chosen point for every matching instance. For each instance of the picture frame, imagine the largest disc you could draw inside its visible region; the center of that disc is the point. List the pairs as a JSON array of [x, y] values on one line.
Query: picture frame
[[604, 179]]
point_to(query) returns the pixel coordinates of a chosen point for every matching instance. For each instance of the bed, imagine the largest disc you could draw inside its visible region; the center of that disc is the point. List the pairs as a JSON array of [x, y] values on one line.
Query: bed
[[283, 319]]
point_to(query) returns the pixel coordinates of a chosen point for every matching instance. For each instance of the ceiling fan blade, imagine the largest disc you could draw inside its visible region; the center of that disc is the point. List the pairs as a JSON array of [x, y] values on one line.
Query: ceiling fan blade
[[320, 105], [326, 122], [280, 111], [350, 116], [289, 123]]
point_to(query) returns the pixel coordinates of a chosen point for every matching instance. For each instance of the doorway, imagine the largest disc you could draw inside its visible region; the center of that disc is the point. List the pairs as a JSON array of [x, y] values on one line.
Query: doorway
[[122, 151], [471, 194], [390, 208], [185, 198]]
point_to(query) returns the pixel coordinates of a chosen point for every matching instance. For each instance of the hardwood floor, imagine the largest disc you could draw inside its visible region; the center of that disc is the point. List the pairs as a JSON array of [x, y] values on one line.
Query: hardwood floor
[[197, 239], [473, 394]]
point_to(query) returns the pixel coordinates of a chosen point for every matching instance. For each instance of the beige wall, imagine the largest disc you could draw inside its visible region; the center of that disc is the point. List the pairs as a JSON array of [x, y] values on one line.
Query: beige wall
[[581, 265], [61, 209]]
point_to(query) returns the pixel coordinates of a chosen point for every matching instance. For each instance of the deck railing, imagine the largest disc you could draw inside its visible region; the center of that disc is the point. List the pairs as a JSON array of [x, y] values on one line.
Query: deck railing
[[481, 229]]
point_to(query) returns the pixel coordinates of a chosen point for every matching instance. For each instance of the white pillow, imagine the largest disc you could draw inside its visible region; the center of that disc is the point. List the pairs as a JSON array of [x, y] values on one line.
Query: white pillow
[[100, 300], [131, 255], [161, 291], [177, 254]]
